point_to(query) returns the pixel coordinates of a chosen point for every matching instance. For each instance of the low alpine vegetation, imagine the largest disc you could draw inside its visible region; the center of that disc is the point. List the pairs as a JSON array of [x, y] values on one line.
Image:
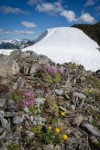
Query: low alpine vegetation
[[49, 73]]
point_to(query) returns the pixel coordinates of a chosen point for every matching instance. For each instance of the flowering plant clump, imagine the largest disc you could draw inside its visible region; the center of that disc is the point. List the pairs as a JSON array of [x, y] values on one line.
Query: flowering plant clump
[[24, 99], [28, 99], [54, 135], [49, 73], [51, 69]]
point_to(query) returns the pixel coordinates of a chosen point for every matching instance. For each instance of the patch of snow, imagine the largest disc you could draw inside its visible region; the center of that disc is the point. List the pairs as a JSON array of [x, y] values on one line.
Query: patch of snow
[[67, 44], [6, 51]]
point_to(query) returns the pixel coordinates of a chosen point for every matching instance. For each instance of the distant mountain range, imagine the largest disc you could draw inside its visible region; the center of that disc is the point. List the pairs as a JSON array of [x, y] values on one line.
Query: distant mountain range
[[92, 30], [15, 44]]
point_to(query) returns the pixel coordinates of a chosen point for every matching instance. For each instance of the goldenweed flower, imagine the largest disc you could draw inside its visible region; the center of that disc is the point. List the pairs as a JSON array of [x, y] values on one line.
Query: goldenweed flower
[[57, 130], [65, 137], [62, 113], [90, 91]]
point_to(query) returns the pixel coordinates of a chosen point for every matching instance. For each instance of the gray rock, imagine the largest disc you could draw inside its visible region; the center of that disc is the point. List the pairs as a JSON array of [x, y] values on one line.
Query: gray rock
[[10, 114], [49, 147], [3, 135], [1, 113], [4, 122], [80, 95], [33, 68], [73, 107], [59, 92], [39, 120], [2, 102], [8, 66], [18, 119], [1, 130], [43, 59], [11, 105], [78, 120], [91, 129], [62, 108], [19, 83], [30, 134]]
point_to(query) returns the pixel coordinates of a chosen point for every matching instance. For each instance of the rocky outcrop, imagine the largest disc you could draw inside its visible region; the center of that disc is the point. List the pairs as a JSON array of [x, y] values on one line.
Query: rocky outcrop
[[29, 61], [8, 66]]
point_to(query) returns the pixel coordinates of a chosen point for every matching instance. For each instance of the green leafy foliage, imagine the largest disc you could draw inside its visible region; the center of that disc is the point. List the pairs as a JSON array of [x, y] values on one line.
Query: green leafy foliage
[[13, 147], [37, 129]]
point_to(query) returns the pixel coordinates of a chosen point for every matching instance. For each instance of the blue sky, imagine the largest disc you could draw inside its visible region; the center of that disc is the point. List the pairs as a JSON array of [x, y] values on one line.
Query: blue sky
[[28, 18]]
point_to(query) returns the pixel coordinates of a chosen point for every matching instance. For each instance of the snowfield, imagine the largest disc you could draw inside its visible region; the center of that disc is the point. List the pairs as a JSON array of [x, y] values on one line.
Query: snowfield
[[67, 44], [6, 51]]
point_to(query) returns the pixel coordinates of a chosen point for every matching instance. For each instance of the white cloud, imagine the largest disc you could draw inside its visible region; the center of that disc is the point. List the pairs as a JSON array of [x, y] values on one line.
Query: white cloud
[[32, 2], [50, 7], [28, 24], [91, 2], [23, 32], [16, 32], [69, 15], [11, 10], [87, 18]]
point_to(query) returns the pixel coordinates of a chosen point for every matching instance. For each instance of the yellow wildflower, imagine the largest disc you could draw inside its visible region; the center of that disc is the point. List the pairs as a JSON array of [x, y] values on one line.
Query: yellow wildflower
[[90, 91], [62, 113], [57, 130], [65, 137], [50, 128]]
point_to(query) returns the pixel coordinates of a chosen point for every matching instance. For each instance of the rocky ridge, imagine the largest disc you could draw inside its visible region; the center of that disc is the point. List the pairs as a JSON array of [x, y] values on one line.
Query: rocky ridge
[[47, 106]]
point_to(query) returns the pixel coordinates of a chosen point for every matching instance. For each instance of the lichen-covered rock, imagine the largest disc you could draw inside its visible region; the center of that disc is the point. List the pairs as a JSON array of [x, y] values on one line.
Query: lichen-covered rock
[[8, 66]]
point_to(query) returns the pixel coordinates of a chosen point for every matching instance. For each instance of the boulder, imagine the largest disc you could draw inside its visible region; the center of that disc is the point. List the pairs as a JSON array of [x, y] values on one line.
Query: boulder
[[8, 66]]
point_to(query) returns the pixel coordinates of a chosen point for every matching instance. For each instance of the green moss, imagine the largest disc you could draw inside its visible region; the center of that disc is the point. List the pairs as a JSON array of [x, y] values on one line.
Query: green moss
[[36, 129], [56, 78], [48, 78], [56, 120], [52, 78], [13, 147], [94, 81], [55, 106], [94, 123], [73, 66], [17, 96]]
